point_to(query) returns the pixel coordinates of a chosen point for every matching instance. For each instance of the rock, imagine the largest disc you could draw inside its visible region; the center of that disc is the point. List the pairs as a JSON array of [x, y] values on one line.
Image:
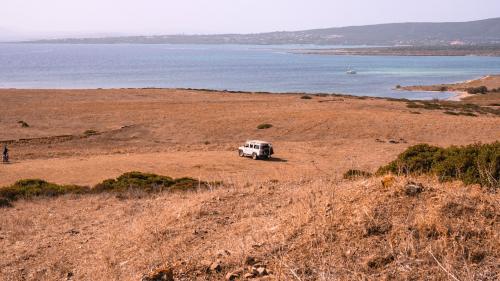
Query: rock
[[233, 275], [413, 189], [249, 275], [388, 181], [261, 271], [250, 260], [73, 231], [165, 274], [215, 266], [223, 253]]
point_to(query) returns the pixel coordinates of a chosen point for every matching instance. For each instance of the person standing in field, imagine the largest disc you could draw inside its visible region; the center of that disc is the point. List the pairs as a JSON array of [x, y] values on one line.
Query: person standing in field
[[5, 154]]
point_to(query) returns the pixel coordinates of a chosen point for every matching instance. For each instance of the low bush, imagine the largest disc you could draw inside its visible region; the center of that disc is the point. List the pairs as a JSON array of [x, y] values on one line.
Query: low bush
[[147, 183], [30, 188], [472, 164], [23, 124], [5, 203], [264, 126], [132, 181], [90, 133], [470, 114], [477, 90], [306, 97], [354, 174], [451, 107]]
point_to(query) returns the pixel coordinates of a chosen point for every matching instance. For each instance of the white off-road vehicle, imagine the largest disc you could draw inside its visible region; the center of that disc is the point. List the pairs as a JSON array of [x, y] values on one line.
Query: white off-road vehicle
[[256, 149]]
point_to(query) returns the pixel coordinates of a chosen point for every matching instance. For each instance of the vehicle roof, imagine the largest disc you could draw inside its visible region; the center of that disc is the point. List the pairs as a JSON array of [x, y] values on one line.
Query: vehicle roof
[[259, 141]]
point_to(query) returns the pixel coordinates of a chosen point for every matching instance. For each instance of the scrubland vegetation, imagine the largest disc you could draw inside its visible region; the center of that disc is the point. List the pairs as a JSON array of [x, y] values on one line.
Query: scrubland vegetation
[[472, 164], [128, 182], [453, 108]]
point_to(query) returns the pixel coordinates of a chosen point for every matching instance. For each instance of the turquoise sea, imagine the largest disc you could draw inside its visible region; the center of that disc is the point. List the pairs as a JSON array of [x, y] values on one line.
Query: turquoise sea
[[229, 67]]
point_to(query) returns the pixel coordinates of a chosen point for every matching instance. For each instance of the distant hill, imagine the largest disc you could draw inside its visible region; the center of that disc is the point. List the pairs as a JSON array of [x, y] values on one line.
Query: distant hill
[[450, 33]]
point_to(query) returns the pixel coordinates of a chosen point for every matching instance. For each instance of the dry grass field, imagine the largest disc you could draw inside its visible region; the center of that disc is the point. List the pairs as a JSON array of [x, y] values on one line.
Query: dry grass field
[[294, 215]]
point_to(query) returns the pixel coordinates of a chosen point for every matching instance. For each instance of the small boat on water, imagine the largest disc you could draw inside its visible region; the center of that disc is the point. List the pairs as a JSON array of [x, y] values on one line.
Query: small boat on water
[[351, 71]]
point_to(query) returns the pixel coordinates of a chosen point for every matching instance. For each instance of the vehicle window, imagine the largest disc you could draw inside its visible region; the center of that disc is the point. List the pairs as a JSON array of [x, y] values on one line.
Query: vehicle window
[[257, 147], [246, 145], [251, 146]]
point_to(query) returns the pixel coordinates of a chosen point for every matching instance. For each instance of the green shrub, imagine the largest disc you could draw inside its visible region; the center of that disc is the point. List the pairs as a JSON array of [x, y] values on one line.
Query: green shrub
[[90, 133], [472, 164], [306, 97], [5, 203], [23, 124], [415, 160], [135, 180], [468, 114], [354, 174], [31, 188], [463, 113], [132, 181], [264, 126], [451, 107], [147, 183], [477, 90]]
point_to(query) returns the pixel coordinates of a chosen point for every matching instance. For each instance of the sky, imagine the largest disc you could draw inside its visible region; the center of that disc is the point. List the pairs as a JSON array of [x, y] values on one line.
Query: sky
[[79, 18]]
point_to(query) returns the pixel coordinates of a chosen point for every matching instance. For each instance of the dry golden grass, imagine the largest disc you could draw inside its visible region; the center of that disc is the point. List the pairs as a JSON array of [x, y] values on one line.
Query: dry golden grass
[[323, 229]]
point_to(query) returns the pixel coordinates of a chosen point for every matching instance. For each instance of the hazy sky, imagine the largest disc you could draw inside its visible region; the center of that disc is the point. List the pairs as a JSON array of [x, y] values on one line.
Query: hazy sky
[[66, 17]]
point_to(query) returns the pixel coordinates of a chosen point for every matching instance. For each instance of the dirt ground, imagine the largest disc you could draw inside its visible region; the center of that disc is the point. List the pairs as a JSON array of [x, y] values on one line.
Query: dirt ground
[[294, 214], [196, 133]]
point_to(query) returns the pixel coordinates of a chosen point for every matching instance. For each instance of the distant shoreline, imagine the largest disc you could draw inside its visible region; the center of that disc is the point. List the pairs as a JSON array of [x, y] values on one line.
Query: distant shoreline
[[486, 51], [460, 89]]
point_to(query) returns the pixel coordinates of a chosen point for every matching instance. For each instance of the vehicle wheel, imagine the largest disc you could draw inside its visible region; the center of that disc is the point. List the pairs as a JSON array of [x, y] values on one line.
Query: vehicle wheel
[[240, 153], [254, 156]]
